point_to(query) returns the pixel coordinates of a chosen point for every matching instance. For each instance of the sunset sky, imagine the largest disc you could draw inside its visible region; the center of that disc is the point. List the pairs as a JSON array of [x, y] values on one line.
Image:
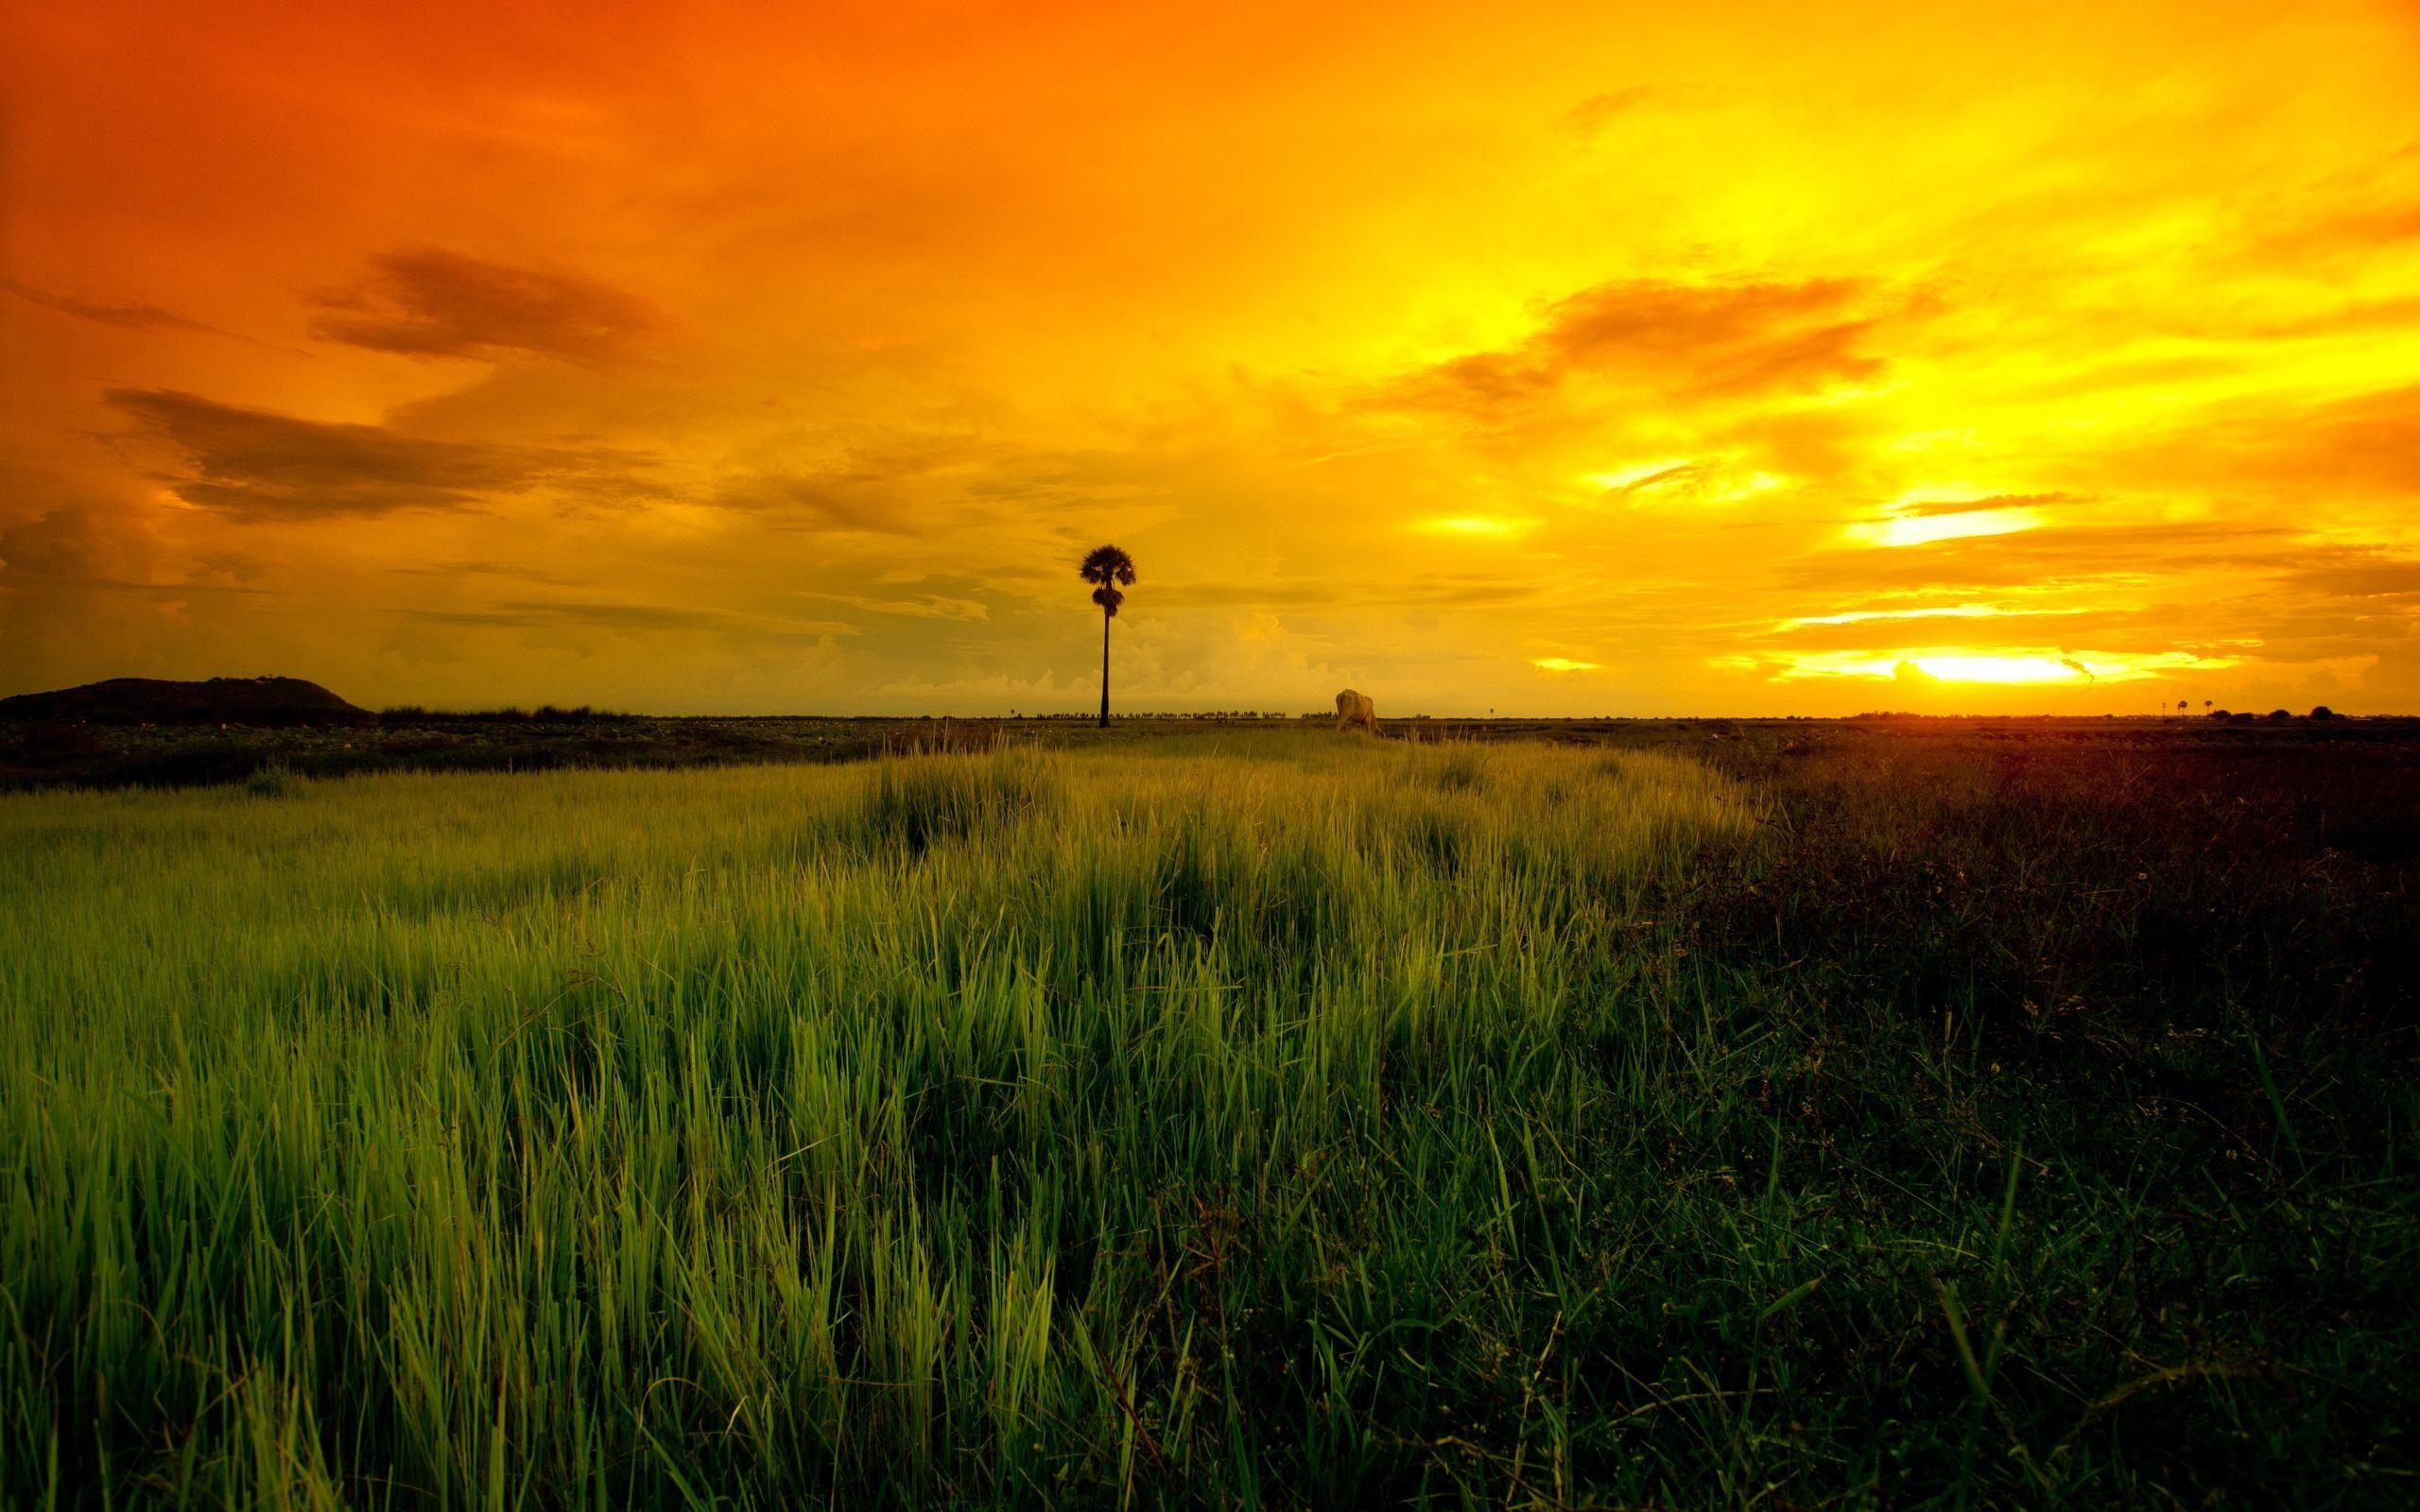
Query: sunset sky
[[1549, 358]]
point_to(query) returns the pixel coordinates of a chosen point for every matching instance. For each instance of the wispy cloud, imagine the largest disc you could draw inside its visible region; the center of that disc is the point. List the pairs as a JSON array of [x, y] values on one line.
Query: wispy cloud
[[131, 317], [256, 464], [1598, 111], [633, 619], [429, 302], [1684, 340]]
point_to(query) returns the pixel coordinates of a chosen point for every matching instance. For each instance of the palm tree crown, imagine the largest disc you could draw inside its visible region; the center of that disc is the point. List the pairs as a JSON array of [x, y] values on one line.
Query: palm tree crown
[[1107, 568]]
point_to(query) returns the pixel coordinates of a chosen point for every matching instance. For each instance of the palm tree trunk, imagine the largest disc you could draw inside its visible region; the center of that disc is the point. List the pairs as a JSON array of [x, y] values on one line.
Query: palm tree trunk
[[1104, 669]]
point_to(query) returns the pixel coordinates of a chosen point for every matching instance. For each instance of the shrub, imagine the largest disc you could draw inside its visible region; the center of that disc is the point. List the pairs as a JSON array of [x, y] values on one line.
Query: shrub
[[271, 779]]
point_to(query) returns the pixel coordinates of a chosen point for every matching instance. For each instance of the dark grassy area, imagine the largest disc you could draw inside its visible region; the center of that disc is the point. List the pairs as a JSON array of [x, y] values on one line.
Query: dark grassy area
[[2024, 1118], [50, 754], [2157, 985], [2123, 1018]]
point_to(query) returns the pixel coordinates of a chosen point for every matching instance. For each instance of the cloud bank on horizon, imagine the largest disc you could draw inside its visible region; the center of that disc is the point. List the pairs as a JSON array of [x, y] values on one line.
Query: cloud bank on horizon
[[1559, 358]]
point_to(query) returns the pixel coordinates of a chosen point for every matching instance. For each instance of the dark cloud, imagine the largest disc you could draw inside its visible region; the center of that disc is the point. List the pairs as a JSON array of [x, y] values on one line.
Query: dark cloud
[[265, 465], [256, 464], [1681, 340], [428, 303]]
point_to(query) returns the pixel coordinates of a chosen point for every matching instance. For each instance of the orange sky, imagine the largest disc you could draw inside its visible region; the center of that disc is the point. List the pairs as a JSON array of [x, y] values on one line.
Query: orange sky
[[1549, 358]]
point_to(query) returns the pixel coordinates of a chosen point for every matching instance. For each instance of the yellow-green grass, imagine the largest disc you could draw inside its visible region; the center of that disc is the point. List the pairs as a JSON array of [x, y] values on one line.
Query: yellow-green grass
[[1209, 1121]]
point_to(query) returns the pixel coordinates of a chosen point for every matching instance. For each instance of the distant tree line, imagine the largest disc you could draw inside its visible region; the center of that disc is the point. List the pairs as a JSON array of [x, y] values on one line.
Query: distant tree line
[[546, 713]]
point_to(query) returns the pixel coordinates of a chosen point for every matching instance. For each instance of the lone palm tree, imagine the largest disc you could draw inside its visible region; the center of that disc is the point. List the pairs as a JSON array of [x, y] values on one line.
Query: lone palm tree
[[1109, 570]]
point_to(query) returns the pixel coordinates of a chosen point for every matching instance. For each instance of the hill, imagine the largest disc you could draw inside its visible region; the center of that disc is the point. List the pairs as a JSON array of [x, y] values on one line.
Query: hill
[[217, 701]]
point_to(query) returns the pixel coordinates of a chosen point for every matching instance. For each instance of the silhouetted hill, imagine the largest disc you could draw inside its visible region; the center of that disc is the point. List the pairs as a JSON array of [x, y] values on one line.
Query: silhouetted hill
[[218, 701]]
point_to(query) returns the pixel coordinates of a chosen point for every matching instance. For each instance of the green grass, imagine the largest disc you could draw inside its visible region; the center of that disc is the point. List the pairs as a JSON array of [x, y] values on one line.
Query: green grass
[[1277, 1119]]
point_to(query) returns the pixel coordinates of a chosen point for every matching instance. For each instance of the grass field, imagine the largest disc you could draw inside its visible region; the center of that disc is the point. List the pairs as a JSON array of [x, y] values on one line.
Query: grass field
[[1266, 1118]]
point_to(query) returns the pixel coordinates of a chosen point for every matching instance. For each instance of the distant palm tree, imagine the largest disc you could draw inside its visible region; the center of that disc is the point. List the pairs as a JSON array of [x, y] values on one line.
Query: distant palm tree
[[2184, 706], [1107, 569]]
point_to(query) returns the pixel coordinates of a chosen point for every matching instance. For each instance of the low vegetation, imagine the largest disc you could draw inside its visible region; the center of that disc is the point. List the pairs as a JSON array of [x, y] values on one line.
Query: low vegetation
[[1828, 1117]]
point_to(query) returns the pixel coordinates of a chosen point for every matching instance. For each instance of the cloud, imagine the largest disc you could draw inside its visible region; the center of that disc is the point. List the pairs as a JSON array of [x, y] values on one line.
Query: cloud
[[1429, 590], [2343, 318], [2358, 445], [883, 483], [920, 606], [72, 542], [2227, 594], [485, 569], [1597, 111], [1685, 477], [2364, 575], [633, 619], [428, 303], [1681, 340], [828, 500], [2051, 555], [1930, 522], [925, 485], [2378, 216], [133, 317], [137, 317], [256, 464], [1906, 508], [2018, 627]]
